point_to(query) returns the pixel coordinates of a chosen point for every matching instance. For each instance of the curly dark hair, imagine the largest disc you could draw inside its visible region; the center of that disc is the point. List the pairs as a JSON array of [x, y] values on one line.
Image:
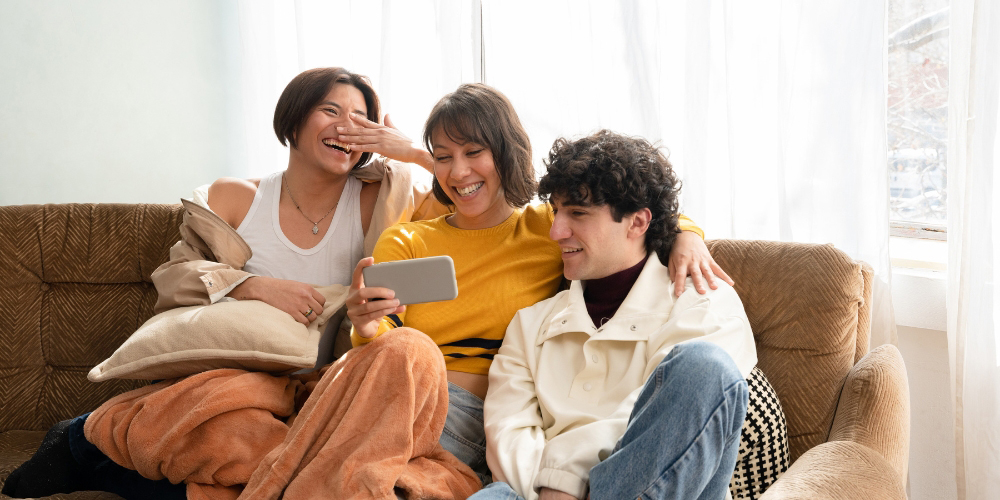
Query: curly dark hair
[[479, 113], [625, 173]]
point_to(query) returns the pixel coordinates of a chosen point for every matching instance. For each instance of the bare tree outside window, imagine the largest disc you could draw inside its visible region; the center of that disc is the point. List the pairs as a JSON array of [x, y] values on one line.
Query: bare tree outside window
[[917, 119]]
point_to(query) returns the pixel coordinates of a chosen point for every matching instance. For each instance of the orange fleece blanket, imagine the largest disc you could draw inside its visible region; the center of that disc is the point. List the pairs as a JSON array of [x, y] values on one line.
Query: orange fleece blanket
[[368, 425]]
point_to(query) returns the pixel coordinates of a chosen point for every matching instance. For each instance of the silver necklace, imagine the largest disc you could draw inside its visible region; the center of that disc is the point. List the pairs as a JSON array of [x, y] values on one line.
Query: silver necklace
[[289, 191]]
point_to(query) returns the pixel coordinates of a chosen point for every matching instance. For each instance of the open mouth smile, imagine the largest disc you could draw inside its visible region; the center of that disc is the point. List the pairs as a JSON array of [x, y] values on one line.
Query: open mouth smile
[[468, 190], [339, 146]]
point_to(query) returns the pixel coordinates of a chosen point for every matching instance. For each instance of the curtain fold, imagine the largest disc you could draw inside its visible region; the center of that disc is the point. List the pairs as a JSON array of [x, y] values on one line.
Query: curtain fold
[[773, 111], [414, 51], [973, 227]]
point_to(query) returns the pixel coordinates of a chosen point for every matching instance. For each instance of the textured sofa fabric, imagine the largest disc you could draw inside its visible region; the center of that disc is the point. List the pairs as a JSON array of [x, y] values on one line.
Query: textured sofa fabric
[[74, 284]]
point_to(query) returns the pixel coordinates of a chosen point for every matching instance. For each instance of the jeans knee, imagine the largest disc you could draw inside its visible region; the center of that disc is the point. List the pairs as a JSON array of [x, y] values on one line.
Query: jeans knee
[[703, 360]]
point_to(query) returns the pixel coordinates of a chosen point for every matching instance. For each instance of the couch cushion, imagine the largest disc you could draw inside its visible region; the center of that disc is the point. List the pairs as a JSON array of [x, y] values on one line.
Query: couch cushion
[[74, 284], [803, 302]]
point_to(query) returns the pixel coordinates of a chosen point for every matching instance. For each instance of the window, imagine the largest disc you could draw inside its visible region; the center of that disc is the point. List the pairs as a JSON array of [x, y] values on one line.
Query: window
[[917, 117]]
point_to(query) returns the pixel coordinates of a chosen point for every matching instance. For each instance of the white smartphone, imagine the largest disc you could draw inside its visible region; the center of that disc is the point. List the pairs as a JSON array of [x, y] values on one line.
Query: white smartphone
[[427, 279]]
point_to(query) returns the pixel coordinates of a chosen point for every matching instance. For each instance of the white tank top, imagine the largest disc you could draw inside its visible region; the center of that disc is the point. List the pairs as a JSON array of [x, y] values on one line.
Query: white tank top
[[331, 261]]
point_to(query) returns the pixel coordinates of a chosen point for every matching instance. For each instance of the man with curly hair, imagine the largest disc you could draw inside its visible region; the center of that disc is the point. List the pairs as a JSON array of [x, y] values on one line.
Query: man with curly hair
[[616, 388]]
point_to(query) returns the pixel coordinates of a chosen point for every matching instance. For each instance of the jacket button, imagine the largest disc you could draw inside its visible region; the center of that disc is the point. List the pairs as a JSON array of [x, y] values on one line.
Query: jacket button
[[587, 387], [564, 322], [594, 358], [633, 328]]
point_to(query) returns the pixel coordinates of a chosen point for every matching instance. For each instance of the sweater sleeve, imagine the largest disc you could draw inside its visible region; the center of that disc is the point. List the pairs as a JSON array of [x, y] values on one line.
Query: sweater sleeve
[[390, 247], [687, 224]]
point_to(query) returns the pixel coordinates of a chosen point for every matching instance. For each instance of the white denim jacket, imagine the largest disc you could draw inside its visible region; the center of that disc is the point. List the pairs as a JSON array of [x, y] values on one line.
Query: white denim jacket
[[561, 390]]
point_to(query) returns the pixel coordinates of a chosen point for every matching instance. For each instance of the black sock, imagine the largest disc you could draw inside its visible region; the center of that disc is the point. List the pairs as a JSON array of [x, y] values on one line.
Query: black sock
[[52, 469]]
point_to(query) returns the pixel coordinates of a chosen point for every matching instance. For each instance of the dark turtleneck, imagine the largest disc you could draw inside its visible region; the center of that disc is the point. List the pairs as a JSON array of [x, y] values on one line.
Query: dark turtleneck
[[604, 296]]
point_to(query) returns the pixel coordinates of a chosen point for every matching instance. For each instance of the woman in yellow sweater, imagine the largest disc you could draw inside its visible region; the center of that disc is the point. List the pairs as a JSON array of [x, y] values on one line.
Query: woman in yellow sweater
[[504, 258]]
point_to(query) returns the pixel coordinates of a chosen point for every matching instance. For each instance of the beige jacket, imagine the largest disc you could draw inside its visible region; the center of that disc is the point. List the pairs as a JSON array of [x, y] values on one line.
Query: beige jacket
[[561, 390], [207, 263]]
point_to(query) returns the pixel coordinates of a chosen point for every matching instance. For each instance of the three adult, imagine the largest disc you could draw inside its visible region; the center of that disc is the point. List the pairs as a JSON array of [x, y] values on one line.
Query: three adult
[[267, 239]]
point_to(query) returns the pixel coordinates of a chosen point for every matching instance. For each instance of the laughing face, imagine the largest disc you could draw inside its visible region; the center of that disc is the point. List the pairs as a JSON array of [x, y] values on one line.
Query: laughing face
[[314, 139], [466, 172], [593, 244]]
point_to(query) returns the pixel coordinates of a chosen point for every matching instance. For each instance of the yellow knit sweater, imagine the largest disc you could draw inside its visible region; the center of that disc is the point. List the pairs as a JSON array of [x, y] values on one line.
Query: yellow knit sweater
[[499, 270]]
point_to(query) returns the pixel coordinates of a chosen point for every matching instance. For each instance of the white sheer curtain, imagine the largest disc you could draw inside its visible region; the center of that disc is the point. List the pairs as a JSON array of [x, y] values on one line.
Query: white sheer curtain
[[774, 111], [414, 51], [973, 249]]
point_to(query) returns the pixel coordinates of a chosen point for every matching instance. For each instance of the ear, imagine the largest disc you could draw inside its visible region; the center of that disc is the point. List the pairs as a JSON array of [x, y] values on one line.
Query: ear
[[639, 223]]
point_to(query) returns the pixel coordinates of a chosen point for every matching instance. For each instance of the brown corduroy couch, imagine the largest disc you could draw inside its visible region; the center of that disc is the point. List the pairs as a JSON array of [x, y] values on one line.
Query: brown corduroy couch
[[74, 284]]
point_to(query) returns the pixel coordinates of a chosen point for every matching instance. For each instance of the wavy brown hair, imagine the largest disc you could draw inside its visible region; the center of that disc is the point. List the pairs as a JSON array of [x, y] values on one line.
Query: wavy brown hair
[[625, 173], [307, 90], [481, 114]]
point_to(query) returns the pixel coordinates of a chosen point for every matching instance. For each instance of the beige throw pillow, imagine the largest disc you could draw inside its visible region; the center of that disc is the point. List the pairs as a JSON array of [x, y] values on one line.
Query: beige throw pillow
[[247, 334]]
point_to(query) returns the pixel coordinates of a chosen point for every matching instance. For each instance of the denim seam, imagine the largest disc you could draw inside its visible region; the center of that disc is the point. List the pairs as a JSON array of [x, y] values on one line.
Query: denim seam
[[473, 414], [462, 439], [646, 492]]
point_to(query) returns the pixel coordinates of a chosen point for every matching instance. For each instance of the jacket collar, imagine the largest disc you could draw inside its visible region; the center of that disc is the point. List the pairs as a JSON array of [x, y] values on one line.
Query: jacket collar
[[645, 309]]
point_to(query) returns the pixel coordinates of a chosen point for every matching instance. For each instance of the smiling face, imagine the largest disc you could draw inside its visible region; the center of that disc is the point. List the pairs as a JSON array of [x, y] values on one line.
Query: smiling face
[[314, 139], [593, 244], [466, 172]]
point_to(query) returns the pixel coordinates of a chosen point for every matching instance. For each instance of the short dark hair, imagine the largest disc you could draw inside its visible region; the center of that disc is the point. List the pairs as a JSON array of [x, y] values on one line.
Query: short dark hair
[[481, 114], [307, 90], [625, 173]]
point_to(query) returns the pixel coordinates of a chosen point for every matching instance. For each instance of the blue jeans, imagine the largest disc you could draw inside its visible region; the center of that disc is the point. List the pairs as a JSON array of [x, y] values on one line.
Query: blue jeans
[[463, 436], [682, 437]]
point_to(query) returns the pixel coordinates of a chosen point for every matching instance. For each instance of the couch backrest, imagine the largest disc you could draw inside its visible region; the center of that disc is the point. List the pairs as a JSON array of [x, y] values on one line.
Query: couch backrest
[[809, 307], [74, 284]]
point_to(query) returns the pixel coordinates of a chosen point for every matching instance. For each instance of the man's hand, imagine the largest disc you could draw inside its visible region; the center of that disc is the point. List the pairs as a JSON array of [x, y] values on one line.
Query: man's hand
[[690, 257], [363, 304], [385, 140], [303, 302], [550, 494]]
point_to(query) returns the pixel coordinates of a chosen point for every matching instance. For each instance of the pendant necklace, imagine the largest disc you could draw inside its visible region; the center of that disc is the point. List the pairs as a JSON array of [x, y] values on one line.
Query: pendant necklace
[[289, 191]]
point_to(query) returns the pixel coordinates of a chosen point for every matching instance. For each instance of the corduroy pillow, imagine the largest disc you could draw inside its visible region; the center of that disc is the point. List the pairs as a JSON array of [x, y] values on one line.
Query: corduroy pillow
[[247, 334]]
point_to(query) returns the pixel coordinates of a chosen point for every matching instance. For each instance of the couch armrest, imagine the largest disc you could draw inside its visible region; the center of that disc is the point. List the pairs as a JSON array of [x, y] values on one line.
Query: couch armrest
[[874, 407], [838, 470]]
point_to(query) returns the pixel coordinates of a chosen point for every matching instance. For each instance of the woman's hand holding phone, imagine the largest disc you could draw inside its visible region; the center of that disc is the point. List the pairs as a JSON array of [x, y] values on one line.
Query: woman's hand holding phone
[[366, 306]]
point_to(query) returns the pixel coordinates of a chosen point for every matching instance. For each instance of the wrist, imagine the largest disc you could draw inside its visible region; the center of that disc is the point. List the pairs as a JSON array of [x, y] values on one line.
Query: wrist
[[424, 159], [246, 290]]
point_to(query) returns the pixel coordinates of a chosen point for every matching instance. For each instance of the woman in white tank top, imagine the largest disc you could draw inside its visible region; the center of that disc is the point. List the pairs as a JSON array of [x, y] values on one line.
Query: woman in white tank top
[[306, 225]]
